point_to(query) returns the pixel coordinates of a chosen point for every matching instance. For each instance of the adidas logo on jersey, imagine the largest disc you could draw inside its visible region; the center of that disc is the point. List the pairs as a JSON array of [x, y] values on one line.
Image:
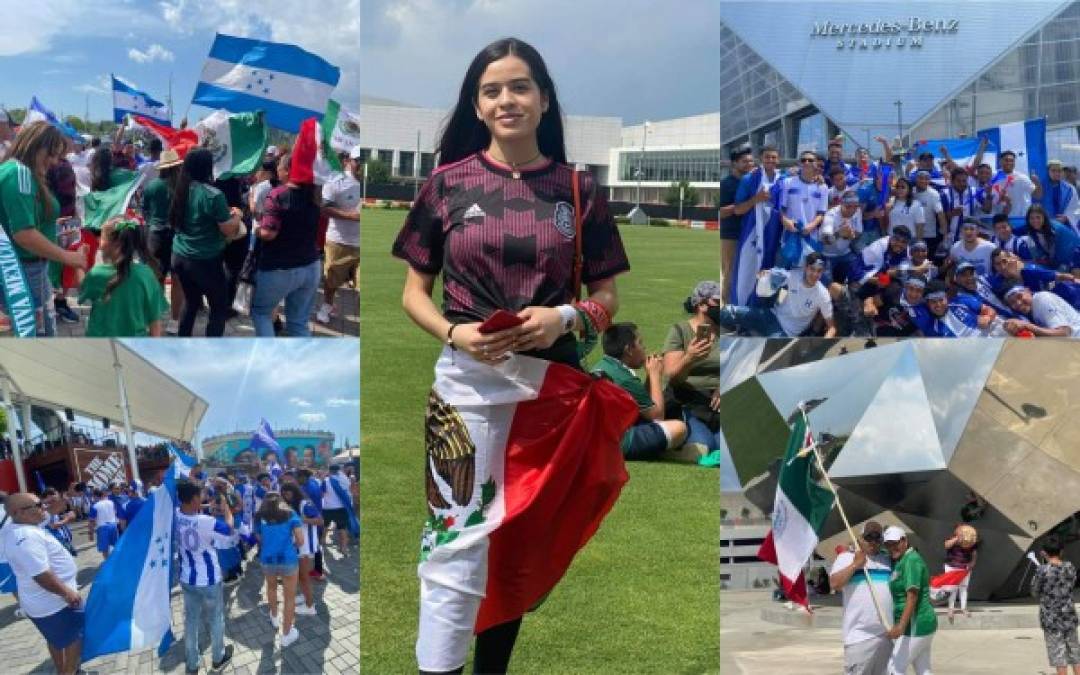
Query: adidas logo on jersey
[[474, 211]]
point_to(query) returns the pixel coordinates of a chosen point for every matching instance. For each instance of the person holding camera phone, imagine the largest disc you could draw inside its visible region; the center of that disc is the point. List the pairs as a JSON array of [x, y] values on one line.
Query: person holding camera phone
[[692, 365], [509, 226]]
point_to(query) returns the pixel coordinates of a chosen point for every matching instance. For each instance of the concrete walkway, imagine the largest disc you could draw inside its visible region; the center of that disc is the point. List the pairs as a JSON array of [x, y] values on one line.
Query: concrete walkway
[[329, 642]]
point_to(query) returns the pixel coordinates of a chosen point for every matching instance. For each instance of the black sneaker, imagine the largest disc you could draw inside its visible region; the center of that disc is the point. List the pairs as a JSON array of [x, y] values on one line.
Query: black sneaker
[[224, 659]]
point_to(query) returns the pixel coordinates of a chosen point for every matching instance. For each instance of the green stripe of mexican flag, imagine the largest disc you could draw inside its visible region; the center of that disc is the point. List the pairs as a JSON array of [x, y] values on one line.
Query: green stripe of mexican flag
[[105, 204], [799, 510], [237, 141]]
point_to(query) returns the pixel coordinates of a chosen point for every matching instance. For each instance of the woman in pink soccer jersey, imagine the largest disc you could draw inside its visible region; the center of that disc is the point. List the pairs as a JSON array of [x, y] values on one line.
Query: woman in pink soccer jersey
[[514, 440]]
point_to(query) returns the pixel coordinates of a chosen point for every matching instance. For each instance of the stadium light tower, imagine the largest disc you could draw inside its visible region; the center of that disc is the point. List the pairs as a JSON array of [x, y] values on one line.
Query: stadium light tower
[[637, 215]]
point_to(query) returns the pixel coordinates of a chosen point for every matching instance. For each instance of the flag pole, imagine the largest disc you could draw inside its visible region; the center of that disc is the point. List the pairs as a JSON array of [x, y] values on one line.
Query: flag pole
[[847, 524]]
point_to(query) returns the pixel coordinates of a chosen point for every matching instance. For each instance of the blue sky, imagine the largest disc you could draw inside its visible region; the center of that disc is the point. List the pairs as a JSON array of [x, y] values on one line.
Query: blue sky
[[292, 383], [63, 50], [635, 59]]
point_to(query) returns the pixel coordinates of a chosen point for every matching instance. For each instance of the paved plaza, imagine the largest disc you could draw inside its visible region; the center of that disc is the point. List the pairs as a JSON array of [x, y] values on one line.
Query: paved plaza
[[329, 642], [750, 645]]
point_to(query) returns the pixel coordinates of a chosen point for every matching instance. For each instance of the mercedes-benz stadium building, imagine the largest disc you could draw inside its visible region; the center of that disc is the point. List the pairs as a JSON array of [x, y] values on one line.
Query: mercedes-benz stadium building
[[795, 73]]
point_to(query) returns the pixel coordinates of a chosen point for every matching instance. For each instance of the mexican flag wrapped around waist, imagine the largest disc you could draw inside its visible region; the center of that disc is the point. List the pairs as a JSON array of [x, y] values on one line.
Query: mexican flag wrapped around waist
[[523, 463]]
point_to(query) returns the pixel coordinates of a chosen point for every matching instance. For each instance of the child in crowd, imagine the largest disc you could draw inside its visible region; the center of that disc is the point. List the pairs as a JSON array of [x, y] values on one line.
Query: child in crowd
[[125, 294]]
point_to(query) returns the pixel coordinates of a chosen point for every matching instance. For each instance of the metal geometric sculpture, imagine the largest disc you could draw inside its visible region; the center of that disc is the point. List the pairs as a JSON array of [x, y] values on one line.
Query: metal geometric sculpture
[[925, 434]]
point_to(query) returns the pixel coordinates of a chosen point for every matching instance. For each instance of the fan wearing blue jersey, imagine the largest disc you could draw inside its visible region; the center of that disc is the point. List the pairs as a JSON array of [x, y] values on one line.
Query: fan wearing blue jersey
[[937, 317], [200, 573], [103, 522], [59, 516], [311, 516], [280, 534], [979, 290]]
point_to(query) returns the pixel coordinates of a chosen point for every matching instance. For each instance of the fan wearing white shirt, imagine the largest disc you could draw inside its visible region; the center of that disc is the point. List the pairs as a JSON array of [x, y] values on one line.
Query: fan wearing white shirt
[[1014, 192], [1051, 315], [342, 197], [805, 198], [46, 577], [905, 210], [930, 199], [842, 225], [971, 248]]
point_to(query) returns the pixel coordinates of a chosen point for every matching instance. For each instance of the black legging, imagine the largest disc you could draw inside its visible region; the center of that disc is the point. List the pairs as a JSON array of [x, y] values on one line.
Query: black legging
[[202, 277], [493, 649]]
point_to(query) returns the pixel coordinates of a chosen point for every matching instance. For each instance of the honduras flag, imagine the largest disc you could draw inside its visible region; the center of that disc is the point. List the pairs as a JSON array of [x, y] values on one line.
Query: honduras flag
[[263, 438], [286, 82], [128, 99], [129, 606], [36, 112], [759, 237], [1028, 140], [962, 150]]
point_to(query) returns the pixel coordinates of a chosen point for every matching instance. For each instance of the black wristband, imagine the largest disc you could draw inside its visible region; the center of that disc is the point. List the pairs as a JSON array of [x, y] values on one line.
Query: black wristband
[[450, 335]]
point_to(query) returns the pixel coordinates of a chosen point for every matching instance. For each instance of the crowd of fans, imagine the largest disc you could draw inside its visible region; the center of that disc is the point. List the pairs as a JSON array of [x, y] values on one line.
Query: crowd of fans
[[932, 249]]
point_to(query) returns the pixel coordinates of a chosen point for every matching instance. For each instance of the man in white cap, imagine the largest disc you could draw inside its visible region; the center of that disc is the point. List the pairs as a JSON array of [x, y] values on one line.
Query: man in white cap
[[342, 196], [859, 574], [914, 619]]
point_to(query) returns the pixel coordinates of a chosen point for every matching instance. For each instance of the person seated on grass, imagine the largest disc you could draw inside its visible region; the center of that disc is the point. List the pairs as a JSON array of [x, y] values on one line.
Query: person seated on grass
[[624, 353], [692, 360], [793, 314], [126, 299], [1044, 314]]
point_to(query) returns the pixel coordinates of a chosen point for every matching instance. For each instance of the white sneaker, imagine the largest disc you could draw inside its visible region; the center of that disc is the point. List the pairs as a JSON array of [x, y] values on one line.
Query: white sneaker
[[20, 613], [172, 327], [323, 315], [275, 621], [304, 610], [290, 637]]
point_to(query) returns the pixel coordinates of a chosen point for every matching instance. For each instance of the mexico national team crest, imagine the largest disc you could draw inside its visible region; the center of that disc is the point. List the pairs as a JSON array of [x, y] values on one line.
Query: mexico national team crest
[[564, 219]]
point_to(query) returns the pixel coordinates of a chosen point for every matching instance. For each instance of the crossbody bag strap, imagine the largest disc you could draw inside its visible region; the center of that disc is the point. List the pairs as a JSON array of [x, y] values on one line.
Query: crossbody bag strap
[[578, 262]]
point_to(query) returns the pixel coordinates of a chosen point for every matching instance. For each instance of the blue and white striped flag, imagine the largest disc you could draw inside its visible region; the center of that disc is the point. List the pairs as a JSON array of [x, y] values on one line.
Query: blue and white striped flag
[[962, 150], [1028, 140], [129, 606], [129, 100], [286, 82], [37, 112]]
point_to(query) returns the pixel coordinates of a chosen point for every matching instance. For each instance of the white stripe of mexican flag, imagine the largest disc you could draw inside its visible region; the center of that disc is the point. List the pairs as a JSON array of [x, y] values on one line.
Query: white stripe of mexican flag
[[799, 510], [237, 141]]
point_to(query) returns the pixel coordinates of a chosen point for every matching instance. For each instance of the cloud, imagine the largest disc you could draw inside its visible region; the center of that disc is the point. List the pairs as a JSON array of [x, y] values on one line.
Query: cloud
[[102, 85], [299, 402], [342, 402], [312, 418], [154, 52], [34, 27]]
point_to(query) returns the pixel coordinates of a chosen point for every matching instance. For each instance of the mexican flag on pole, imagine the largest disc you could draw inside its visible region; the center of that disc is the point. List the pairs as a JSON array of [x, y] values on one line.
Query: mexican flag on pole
[[339, 131], [799, 511], [98, 207], [237, 141]]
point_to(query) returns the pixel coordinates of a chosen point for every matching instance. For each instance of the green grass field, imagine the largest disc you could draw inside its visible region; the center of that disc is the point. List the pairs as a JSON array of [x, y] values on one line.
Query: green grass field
[[643, 595]]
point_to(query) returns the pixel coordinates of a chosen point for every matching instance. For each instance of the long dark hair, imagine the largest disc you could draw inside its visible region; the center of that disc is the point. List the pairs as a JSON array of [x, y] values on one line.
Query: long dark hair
[[132, 245], [464, 134], [100, 168], [291, 495], [198, 166], [31, 140], [1043, 237], [273, 509], [910, 190]]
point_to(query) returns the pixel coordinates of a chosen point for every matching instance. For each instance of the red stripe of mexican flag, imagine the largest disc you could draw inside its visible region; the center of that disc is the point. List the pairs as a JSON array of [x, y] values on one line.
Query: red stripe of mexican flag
[[564, 471], [799, 511]]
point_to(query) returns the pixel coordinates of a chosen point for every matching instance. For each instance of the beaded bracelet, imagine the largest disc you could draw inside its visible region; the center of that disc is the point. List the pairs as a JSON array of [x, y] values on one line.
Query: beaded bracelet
[[601, 318]]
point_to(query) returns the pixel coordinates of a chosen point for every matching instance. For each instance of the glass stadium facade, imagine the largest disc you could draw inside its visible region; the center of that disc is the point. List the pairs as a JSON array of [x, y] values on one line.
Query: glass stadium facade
[[954, 68]]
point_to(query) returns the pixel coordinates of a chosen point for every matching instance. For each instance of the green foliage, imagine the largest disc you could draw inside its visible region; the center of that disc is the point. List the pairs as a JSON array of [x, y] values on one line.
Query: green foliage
[[689, 194], [377, 171], [651, 569]]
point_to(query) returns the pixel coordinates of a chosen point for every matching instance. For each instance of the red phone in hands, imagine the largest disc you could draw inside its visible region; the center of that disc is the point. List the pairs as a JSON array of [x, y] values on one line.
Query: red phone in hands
[[500, 320]]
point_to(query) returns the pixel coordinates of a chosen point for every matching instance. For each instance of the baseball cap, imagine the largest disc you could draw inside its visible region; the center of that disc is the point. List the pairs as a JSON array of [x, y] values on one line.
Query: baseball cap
[[963, 267], [849, 198], [894, 533], [920, 245], [871, 530]]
